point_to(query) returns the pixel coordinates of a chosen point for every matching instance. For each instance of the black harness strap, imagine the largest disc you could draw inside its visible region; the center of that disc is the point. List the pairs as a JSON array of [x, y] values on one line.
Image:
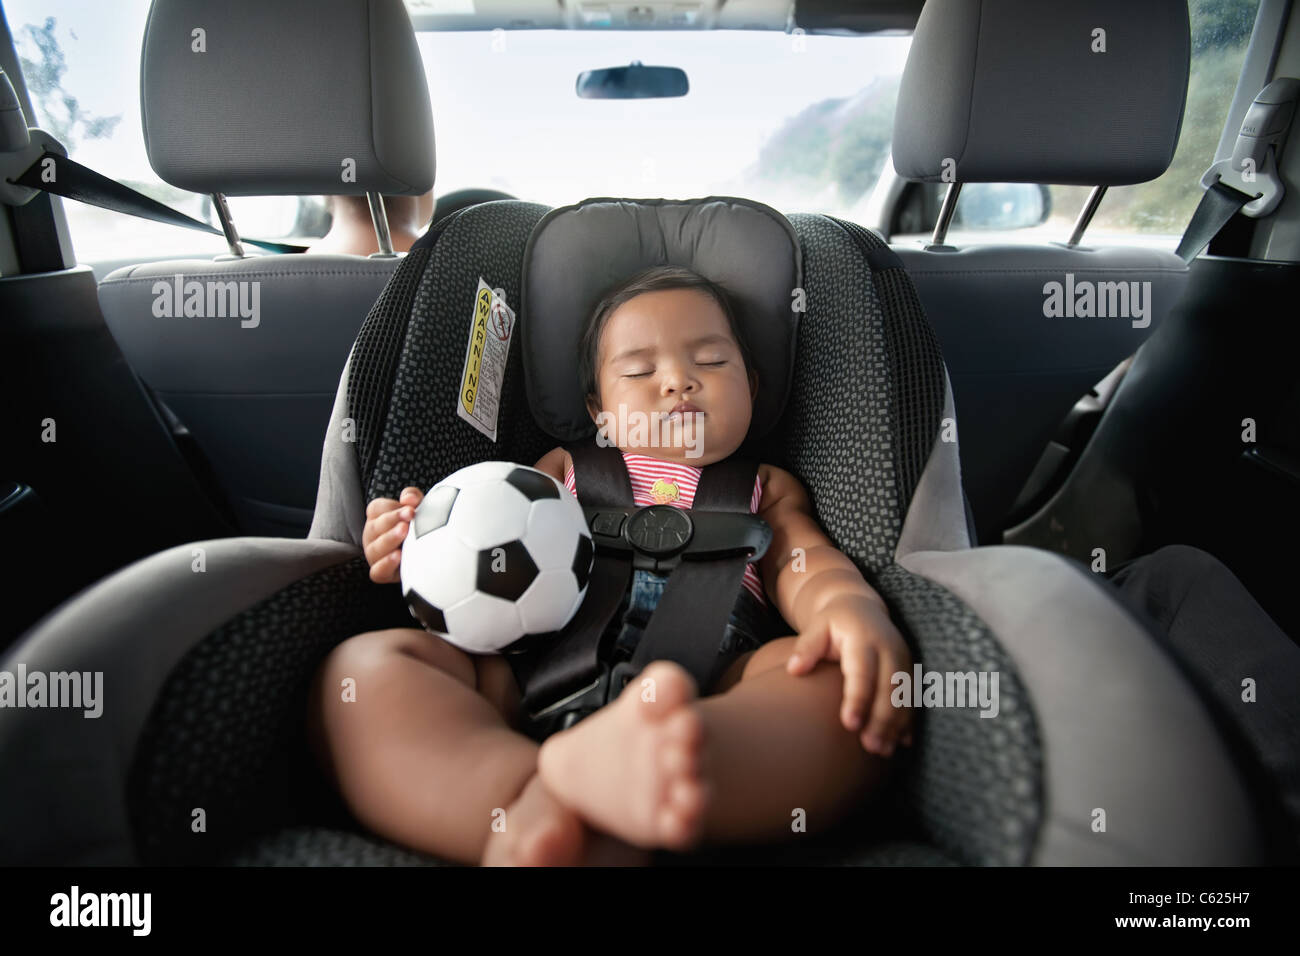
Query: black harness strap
[[572, 663], [563, 676], [690, 620]]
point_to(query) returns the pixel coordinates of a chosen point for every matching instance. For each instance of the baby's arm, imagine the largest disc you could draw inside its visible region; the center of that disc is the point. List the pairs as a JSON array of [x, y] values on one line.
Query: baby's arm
[[555, 463], [837, 614]]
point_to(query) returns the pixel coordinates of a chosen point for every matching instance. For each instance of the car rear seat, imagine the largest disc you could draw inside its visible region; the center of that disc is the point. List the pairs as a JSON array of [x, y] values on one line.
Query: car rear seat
[[283, 100], [1013, 92]]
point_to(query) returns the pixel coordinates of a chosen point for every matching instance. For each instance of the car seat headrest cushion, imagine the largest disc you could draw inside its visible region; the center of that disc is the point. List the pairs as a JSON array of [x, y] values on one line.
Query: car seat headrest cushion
[[577, 253]]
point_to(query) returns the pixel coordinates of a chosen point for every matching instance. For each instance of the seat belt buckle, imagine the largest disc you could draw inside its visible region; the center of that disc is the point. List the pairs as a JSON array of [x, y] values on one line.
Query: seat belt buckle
[[563, 714], [618, 678]]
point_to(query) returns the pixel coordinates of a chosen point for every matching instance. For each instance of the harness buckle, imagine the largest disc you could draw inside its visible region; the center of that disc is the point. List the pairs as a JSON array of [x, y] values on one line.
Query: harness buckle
[[659, 537], [563, 714]]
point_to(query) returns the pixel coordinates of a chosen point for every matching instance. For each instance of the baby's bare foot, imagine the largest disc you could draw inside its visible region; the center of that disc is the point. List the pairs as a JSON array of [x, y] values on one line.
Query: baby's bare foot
[[634, 769], [539, 831]]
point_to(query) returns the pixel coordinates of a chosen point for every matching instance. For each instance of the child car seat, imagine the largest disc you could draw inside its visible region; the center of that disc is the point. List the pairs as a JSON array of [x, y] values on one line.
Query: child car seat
[[1100, 751]]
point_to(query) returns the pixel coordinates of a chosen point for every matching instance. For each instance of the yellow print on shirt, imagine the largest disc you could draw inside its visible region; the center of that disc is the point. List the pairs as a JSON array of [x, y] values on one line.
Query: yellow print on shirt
[[663, 492]]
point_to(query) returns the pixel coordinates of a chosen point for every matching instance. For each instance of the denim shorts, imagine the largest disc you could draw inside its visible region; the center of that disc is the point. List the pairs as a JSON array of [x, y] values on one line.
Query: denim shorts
[[749, 627]]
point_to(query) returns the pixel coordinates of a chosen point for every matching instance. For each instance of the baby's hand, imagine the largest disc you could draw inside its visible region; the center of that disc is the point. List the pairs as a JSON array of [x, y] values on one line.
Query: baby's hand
[[381, 539], [856, 630]]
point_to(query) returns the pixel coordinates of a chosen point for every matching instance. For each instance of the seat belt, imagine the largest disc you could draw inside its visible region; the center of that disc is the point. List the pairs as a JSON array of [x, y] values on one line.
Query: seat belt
[[704, 551], [1248, 181], [54, 173]]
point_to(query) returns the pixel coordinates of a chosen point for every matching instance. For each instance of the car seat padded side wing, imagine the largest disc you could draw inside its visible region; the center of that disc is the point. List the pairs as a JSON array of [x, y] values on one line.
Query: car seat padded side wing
[[971, 785], [398, 392], [228, 730], [340, 513], [411, 429], [937, 517], [1121, 729], [66, 774]]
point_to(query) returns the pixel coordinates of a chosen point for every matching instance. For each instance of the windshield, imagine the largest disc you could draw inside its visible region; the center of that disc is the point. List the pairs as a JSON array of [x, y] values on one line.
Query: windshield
[[802, 123]]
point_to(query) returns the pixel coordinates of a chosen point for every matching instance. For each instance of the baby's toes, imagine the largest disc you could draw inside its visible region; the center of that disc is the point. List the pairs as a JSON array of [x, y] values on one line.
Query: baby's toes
[[672, 687], [683, 736], [681, 817]]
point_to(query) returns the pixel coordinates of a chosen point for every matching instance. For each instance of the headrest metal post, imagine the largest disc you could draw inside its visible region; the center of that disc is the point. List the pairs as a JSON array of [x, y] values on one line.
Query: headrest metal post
[[945, 214], [228, 226], [1086, 214], [380, 218]]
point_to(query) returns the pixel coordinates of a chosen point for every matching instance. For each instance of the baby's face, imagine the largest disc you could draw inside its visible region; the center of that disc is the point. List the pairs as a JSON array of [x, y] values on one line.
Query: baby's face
[[662, 348]]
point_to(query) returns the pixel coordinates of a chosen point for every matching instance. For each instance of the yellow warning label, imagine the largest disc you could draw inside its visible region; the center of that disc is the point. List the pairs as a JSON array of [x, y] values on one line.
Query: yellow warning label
[[474, 360]]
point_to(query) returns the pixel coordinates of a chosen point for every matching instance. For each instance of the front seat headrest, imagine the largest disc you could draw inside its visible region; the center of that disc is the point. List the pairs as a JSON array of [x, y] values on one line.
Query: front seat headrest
[[1087, 94], [576, 253], [250, 97]]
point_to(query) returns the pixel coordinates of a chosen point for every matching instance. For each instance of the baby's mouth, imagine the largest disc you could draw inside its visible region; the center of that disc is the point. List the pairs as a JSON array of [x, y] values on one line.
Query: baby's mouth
[[683, 416]]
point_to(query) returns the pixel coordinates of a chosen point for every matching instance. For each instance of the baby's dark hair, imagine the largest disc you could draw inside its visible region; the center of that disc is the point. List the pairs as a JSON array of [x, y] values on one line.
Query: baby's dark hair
[[654, 279]]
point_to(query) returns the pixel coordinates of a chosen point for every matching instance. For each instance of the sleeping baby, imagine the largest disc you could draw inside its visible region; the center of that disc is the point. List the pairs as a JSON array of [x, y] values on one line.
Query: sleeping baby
[[794, 736]]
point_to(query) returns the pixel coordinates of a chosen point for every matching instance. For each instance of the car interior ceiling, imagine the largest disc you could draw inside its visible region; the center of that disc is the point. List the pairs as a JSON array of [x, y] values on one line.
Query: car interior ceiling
[[1147, 451]]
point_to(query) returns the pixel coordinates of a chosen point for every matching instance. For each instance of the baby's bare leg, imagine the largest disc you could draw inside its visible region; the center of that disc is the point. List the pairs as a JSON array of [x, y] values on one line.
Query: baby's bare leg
[[421, 756], [774, 744], [660, 767]]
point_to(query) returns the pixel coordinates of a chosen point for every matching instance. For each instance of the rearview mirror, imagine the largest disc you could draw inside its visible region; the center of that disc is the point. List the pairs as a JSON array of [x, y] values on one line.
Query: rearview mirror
[[634, 82]]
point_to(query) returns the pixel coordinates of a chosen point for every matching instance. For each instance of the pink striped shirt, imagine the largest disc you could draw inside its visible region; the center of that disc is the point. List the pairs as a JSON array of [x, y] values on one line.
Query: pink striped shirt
[[656, 482]]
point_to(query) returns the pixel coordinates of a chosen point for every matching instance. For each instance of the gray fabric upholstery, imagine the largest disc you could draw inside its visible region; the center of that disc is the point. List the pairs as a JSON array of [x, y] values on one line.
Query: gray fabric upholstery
[[1015, 372], [228, 731], [255, 394], [720, 238], [316, 846], [977, 808], [134, 627], [1124, 730], [340, 503], [836, 432], [936, 516], [1011, 91], [283, 95]]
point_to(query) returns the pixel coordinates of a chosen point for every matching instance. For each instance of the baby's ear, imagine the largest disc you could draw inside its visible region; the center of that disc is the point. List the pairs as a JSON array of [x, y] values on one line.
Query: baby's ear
[[593, 408], [753, 385]]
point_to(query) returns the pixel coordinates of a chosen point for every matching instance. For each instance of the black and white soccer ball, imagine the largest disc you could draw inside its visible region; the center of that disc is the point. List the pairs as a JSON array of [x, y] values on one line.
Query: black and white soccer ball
[[497, 552]]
